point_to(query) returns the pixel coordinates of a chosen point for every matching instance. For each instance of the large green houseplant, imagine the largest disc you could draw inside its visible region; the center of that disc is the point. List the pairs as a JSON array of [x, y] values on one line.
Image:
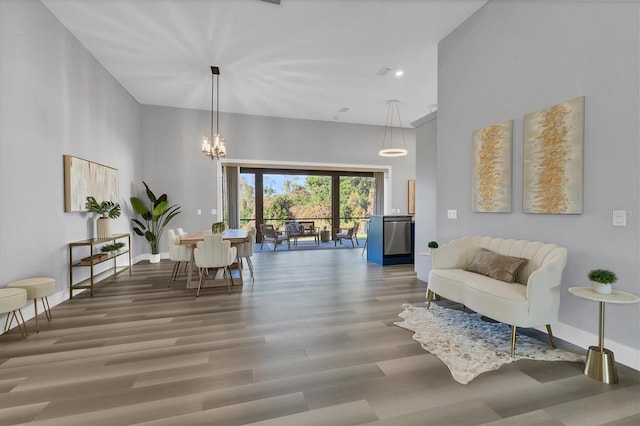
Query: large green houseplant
[[154, 219]]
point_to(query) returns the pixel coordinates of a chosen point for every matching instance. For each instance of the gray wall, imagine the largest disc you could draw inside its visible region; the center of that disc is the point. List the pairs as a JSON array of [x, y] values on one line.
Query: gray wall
[[512, 58], [55, 99], [173, 163], [426, 211]]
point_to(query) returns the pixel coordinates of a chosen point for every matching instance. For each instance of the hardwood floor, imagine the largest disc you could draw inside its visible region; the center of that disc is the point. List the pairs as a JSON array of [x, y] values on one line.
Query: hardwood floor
[[310, 342]]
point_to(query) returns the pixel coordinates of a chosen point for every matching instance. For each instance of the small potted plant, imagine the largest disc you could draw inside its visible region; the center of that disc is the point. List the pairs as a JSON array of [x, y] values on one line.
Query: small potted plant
[[325, 234], [108, 210], [218, 227], [432, 245], [602, 280], [108, 248]]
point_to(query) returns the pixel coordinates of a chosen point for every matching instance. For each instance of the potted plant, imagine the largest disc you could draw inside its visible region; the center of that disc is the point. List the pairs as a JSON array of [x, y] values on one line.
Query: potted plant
[[218, 227], [108, 210], [108, 248], [112, 248], [432, 245], [154, 219], [602, 280], [325, 235]]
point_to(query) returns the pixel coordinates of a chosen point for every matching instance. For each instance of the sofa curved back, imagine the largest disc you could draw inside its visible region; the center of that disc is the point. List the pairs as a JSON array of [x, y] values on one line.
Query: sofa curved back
[[537, 253]]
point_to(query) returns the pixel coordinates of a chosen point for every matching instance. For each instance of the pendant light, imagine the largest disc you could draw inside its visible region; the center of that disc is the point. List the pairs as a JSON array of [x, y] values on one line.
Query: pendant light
[[388, 148], [214, 146]]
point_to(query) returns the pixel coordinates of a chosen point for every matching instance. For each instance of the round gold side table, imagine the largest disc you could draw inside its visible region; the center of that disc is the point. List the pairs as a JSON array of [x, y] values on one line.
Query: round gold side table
[[600, 364]]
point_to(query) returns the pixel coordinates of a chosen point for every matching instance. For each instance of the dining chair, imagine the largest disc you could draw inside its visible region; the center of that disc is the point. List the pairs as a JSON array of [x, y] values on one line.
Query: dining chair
[[347, 234], [245, 251], [366, 241], [214, 253], [180, 254], [270, 235]]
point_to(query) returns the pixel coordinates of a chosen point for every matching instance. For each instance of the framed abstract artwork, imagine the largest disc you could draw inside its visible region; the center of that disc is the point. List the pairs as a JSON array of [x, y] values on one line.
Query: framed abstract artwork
[[83, 178], [491, 169], [553, 159]]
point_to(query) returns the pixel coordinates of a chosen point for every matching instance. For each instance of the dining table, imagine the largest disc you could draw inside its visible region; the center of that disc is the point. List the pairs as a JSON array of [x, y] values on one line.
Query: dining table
[[235, 236]]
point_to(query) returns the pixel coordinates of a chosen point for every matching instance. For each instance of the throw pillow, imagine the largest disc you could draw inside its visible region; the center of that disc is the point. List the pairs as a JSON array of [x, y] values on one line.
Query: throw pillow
[[291, 228], [496, 266]]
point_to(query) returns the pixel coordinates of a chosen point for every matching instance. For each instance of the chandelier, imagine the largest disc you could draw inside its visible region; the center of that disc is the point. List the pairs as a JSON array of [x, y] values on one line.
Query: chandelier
[[388, 148], [214, 145]]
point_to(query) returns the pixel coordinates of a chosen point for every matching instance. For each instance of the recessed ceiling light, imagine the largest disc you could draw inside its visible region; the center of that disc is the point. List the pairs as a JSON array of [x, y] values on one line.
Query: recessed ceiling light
[[399, 73]]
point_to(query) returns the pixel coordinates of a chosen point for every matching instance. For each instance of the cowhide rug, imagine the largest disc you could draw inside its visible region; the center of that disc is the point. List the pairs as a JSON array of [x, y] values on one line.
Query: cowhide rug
[[470, 346]]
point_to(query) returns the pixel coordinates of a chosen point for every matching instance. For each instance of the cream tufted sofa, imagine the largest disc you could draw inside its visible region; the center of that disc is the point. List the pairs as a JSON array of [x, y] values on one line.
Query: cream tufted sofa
[[532, 300]]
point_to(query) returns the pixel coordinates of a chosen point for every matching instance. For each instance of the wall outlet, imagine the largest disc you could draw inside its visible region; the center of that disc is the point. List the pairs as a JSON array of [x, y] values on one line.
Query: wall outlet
[[214, 211], [452, 214]]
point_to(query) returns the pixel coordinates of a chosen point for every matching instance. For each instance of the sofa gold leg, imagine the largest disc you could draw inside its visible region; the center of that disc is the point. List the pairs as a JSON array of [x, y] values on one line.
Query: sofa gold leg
[[553, 341], [513, 341], [429, 298]]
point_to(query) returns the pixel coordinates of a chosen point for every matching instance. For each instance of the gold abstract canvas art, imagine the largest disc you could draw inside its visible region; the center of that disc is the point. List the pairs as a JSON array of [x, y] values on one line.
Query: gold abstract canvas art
[[553, 144], [83, 178], [492, 168]]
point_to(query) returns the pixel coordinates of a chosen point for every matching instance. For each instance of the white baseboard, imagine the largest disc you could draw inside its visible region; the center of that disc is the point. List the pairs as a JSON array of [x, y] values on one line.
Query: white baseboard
[[622, 354]]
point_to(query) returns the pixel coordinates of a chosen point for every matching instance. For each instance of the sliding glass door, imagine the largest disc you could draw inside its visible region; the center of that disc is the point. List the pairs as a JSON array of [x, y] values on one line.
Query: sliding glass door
[[330, 199]]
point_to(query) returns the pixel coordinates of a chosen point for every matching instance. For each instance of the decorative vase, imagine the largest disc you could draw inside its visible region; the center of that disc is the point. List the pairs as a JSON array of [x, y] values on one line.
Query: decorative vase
[[104, 227], [154, 258], [602, 288], [217, 228]]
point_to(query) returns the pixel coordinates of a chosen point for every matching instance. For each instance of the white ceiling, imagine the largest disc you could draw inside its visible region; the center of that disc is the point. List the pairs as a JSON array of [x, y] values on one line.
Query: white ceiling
[[301, 59]]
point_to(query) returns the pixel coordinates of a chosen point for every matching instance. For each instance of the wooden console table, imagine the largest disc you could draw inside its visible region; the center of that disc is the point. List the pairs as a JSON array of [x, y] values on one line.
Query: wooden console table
[[90, 263]]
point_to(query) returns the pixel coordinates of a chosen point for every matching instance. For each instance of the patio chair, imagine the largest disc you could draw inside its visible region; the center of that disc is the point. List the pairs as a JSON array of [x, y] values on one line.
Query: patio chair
[[294, 230], [270, 235], [309, 230], [347, 234]]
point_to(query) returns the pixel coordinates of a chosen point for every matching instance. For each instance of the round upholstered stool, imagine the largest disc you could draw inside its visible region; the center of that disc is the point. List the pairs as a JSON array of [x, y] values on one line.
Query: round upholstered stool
[[36, 288], [11, 300]]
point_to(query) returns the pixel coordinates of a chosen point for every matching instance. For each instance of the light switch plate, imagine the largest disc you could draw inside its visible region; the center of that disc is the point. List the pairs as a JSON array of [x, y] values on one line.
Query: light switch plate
[[619, 218], [199, 212], [452, 214]]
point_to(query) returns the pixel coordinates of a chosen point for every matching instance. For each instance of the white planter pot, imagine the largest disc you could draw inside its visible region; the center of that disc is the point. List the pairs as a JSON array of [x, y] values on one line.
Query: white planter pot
[[154, 258], [104, 227], [602, 288]]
